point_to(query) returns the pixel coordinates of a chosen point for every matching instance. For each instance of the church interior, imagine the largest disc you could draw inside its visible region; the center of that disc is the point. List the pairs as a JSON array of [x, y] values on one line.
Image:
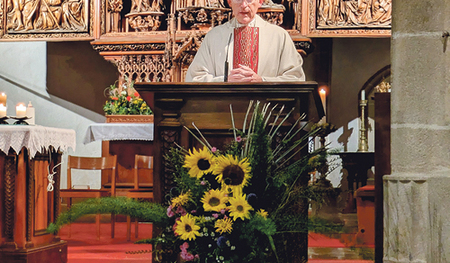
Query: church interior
[[62, 59]]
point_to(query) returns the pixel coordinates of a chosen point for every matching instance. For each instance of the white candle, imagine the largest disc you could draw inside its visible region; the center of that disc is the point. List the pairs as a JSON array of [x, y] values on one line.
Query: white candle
[[3, 98], [323, 97], [363, 95], [2, 110], [21, 110]]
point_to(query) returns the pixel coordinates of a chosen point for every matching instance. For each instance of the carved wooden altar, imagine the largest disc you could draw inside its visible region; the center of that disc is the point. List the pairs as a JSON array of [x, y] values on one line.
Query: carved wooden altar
[[156, 40], [208, 106]]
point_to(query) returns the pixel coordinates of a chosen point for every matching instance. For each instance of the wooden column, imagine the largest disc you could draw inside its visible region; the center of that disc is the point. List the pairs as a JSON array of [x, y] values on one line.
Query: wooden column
[[382, 163]]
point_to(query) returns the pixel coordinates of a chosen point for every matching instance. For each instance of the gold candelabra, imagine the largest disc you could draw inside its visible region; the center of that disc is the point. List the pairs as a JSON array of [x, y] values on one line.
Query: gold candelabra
[[363, 143]]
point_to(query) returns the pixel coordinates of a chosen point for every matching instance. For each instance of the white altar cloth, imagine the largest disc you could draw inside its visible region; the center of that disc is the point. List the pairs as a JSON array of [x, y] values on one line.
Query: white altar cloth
[[119, 131], [35, 138]]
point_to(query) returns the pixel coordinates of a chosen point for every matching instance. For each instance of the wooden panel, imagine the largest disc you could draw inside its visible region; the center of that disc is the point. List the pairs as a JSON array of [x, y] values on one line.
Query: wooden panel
[[29, 208], [208, 106], [382, 163]]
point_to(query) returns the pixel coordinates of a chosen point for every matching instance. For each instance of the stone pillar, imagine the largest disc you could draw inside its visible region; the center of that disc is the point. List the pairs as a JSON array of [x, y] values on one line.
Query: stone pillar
[[417, 193]]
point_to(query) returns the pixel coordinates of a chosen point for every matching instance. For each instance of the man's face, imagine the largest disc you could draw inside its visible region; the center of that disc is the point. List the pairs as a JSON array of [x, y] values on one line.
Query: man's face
[[244, 10]]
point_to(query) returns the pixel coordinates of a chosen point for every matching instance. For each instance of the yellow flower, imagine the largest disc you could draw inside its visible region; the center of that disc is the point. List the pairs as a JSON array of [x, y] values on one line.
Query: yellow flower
[[224, 225], [186, 228], [180, 200], [214, 200], [232, 173], [262, 213], [239, 207], [199, 162]]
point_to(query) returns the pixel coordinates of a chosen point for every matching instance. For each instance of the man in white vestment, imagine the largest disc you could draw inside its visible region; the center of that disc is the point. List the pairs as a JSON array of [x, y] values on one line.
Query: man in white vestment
[[246, 49]]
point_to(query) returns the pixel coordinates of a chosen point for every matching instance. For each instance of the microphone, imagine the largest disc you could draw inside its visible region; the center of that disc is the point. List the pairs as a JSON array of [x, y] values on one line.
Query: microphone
[[225, 75]]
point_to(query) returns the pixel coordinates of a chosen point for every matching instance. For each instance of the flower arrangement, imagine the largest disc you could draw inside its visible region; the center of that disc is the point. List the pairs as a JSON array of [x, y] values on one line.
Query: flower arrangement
[[125, 100], [229, 205], [239, 204]]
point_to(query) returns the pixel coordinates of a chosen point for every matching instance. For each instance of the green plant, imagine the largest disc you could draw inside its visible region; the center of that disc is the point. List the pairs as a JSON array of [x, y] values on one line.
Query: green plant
[[125, 100]]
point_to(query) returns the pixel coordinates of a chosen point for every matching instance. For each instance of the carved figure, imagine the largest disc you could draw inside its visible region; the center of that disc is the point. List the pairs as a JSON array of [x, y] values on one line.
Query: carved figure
[[50, 14], [271, 4], [114, 7], [156, 5], [358, 12], [72, 17], [15, 8], [382, 11]]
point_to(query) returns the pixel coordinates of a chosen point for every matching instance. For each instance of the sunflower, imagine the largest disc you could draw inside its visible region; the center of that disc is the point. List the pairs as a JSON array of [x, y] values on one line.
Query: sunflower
[[224, 225], [232, 173], [186, 227], [180, 200], [199, 162], [262, 213], [239, 207], [214, 200]]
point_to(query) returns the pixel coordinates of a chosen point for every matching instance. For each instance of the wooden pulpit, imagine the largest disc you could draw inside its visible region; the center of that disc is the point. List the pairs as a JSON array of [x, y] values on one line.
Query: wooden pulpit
[[207, 105], [29, 198]]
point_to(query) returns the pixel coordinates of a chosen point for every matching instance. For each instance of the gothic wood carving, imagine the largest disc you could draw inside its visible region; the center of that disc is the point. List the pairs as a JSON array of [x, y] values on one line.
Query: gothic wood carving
[[47, 19], [10, 176], [169, 130], [144, 68], [348, 18]]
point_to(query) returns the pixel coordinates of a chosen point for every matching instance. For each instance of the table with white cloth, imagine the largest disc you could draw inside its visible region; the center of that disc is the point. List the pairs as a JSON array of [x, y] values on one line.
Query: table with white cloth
[[30, 158], [124, 140]]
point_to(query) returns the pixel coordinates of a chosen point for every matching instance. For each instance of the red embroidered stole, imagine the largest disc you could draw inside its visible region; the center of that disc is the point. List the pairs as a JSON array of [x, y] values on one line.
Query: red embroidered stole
[[246, 47]]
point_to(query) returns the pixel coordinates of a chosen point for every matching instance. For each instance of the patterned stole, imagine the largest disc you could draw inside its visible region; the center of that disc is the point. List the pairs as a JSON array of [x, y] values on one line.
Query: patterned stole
[[246, 47]]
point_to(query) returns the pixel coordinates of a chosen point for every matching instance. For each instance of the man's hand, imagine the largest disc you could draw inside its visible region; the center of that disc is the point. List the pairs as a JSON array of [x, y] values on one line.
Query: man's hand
[[243, 74]]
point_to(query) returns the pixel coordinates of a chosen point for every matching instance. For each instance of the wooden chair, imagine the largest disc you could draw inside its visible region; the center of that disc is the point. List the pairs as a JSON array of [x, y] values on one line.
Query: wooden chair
[[108, 163], [141, 162]]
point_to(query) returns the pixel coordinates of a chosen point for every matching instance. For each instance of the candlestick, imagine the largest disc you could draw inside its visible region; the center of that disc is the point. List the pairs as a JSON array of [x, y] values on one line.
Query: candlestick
[[21, 110], [2, 110], [3, 99], [363, 95], [363, 143], [30, 113]]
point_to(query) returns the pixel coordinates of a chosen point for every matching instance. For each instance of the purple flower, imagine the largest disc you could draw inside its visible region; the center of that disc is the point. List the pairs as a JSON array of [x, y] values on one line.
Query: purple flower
[[222, 241], [181, 211], [203, 183], [213, 149], [215, 215], [184, 246], [187, 256], [239, 139], [170, 213]]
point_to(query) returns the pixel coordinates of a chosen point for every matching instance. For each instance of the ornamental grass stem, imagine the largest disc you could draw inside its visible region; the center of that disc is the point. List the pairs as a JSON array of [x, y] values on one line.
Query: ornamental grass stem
[[232, 121]]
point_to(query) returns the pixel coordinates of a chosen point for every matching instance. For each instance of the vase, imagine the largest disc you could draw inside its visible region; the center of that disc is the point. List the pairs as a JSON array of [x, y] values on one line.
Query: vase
[[129, 118]]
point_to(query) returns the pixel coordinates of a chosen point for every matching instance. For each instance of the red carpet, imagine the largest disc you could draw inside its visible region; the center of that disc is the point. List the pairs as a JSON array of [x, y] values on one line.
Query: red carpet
[[84, 247], [319, 240]]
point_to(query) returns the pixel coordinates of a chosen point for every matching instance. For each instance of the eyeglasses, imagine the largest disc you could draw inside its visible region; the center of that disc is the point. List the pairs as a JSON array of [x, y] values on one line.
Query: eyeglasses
[[241, 1]]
